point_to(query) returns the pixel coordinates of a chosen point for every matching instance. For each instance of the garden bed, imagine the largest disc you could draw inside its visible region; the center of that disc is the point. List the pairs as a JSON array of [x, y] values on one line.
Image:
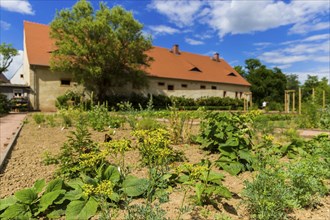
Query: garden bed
[[25, 166]]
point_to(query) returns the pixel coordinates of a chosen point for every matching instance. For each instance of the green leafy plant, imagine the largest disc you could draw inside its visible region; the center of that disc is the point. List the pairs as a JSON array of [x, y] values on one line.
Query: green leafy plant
[[99, 118], [39, 118], [69, 99], [207, 183], [74, 151], [35, 202], [231, 136], [148, 124]]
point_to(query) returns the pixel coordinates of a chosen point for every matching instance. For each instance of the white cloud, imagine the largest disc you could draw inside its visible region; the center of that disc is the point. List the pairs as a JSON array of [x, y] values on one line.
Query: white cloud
[[20, 6], [4, 25], [181, 13], [203, 36], [238, 17], [284, 66], [162, 30], [320, 73], [278, 57], [193, 42], [315, 48], [15, 65], [241, 17], [302, 28], [317, 37]]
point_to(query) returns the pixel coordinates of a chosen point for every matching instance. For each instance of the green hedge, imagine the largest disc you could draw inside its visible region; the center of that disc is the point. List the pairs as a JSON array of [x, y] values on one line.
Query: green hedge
[[159, 102], [4, 104], [162, 102]]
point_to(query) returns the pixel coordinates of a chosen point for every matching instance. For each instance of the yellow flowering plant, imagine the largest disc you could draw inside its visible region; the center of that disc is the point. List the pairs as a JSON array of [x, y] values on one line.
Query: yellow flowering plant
[[207, 183]]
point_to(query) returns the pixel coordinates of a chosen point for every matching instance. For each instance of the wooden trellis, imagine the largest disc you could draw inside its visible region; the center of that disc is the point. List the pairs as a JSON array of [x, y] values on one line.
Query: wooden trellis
[[247, 97], [288, 96]]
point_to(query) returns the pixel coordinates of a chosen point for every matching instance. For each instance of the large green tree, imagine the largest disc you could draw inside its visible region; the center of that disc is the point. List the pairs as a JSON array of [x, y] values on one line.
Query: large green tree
[[292, 82], [313, 82], [102, 49], [266, 84], [7, 52]]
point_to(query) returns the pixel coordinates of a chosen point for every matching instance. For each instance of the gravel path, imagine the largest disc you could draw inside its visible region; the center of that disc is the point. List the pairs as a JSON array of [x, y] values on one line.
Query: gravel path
[[9, 127]]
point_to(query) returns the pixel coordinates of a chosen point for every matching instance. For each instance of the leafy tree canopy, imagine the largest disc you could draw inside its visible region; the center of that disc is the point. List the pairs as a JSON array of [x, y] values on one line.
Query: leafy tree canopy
[[292, 82], [7, 52], [102, 49], [319, 86], [266, 84]]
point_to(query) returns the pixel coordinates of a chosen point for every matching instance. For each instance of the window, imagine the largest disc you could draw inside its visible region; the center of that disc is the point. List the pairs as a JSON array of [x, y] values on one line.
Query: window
[[240, 94], [65, 82], [22, 76], [170, 87], [203, 87], [224, 93], [184, 85], [161, 83], [18, 93], [236, 95], [214, 87], [195, 69], [231, 74]]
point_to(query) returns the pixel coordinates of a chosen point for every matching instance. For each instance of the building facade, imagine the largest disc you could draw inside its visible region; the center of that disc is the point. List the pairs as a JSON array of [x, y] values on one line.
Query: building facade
[[172, 72]]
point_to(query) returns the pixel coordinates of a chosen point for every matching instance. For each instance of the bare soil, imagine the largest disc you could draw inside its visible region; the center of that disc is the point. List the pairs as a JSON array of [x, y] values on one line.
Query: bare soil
[[24, 166]]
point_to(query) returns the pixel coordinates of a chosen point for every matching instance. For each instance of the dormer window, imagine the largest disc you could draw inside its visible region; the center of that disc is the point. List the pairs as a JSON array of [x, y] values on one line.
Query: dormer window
[[231, 74], [195, 69]]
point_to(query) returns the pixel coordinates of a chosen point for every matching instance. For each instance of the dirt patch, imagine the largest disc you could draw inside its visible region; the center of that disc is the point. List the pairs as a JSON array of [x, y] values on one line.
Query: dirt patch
[[24, 166]]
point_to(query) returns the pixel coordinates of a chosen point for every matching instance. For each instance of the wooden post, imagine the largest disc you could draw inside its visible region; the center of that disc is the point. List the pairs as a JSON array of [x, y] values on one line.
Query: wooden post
[[285, 103], [313, 93], [323, 99], [299, 105], [293, 101], [288, 99]]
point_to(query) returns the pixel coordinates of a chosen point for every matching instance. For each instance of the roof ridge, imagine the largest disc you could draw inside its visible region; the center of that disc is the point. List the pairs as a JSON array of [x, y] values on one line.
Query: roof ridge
[[32, 22]]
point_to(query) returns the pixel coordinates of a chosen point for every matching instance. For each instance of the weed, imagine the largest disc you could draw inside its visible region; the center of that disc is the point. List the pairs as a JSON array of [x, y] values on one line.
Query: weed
[[267, 196], [148, 124], [145, 212], [39, 118], [51, 120]]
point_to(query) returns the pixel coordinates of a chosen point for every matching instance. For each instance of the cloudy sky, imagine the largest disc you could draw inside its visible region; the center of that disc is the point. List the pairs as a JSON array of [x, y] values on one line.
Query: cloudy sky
[[291, 35]]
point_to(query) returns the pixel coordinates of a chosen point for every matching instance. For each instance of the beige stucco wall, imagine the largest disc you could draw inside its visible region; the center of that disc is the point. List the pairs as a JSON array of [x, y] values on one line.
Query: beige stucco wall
[[46, 87], [193, 89]]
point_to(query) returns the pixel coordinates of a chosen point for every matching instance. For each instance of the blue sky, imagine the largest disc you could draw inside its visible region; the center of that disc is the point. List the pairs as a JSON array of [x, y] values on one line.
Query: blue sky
[[292, 35]]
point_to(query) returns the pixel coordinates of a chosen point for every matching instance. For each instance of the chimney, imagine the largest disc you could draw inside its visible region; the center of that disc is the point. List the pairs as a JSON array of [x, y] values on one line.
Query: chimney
[[216, 57], [175, 49]]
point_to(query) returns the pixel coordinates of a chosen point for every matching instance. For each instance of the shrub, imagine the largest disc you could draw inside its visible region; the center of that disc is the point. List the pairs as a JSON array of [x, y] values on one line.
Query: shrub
[[4, 104], [70, 98]]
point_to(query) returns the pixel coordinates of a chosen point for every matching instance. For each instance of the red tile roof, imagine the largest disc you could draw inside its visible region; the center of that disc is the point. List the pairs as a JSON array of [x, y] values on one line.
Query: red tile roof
[[165, 65]]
